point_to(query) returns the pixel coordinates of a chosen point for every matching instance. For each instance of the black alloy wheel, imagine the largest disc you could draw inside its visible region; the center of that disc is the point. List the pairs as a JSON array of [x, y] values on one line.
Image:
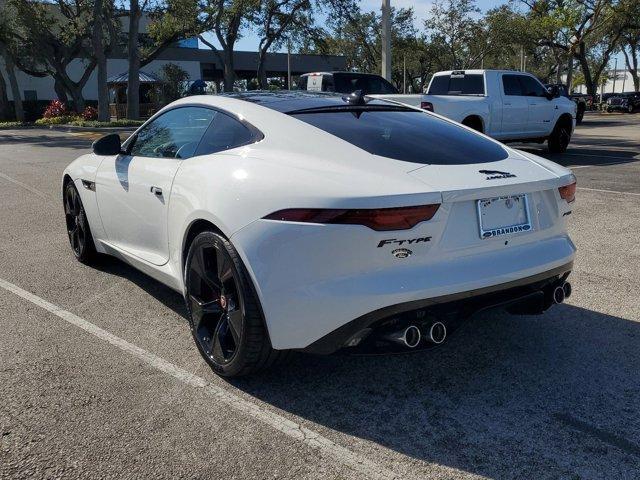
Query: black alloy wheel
[[559, 139], [77, 225], [224, 314]]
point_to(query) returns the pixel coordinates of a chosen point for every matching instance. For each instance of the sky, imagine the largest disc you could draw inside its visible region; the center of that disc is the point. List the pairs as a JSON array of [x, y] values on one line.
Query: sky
[[249, 42]]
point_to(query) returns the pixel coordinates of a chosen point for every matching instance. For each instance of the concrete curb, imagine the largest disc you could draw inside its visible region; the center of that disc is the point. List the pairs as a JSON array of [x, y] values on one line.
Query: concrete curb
[[74, 128]]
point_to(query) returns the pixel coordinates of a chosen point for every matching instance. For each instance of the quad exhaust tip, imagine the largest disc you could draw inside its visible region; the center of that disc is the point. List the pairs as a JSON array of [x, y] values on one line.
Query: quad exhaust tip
[[562, 292], [437, 333], [408, 337], [412, 336]]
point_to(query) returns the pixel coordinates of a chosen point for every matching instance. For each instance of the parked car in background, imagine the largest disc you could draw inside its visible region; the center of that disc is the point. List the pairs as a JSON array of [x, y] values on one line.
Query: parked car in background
[[506, 105], [349, 82], [625, 102], [580, 100]]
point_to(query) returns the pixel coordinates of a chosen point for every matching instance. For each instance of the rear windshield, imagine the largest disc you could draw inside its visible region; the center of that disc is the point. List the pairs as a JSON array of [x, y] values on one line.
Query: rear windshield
[[411, 136], [471, 84]]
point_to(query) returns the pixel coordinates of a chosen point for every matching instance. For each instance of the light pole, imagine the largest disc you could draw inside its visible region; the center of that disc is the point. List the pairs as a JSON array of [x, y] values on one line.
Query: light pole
[[615, 75], [386, 39], [288, 64]]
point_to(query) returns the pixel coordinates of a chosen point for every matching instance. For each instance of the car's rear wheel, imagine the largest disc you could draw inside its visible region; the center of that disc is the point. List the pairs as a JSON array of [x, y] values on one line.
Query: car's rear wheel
[[630, 109], [224, 311], [77, 225], [560, 138]]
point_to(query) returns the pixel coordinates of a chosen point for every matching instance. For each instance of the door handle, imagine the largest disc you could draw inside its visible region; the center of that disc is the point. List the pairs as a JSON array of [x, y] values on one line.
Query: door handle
[[156, 191], [507, 103]]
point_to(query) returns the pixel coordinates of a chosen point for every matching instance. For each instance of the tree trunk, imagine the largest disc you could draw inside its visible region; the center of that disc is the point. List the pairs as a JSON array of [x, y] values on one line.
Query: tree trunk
[[76, 95], [101, 60], [632, 65], [262, 71], [133, 82], [589, 81], [570, 74], [228, 72], [4, 100], [61, 91], [13, 81]]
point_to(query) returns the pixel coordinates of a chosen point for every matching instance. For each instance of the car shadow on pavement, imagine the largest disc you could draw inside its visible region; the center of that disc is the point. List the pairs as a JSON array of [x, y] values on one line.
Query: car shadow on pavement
[[591, 155], [551, 396], [45, 140], [168, 297]]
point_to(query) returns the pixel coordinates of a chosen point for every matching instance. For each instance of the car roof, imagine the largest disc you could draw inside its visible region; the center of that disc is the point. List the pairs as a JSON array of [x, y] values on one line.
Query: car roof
[[288, 101]]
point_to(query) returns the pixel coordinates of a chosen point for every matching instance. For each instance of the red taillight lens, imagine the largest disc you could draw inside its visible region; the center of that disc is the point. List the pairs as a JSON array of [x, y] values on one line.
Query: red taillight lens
[[379, 219], [426, 106], [568, 192]]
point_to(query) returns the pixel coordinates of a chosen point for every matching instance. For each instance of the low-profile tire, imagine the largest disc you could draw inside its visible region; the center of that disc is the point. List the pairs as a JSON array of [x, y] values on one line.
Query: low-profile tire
[[77, 223], [630, 109], [560, 137], [225, 316]]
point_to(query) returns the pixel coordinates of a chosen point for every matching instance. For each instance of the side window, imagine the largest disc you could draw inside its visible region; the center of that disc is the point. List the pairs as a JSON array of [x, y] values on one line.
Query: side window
[[174, 134], [224, 133], [531, 87], [511, 85]]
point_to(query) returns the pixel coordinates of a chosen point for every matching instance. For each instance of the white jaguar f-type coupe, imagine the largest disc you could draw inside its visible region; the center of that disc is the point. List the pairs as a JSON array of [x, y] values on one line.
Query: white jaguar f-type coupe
[[315, 222]]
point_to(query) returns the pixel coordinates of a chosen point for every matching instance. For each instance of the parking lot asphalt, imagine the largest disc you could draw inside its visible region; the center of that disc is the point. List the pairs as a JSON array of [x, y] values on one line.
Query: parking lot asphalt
[[99, 377]]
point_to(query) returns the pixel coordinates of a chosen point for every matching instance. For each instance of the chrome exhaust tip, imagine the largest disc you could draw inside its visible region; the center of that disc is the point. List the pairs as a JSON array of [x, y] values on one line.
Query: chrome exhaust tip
[[437, 333], [567, 290], [558, 294], [409, 337]]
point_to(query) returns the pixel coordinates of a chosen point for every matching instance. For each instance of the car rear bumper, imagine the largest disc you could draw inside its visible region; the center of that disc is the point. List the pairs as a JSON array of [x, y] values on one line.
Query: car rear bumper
[[530, 295], [314, 279]]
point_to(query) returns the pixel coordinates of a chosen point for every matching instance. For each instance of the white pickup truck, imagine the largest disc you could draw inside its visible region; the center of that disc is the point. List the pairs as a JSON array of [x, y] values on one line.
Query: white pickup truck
[[507, 105]]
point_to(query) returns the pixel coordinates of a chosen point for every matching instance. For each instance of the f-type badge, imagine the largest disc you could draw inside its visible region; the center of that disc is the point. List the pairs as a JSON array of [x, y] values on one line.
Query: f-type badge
[[408, 241], [495, 174], [401, 253]]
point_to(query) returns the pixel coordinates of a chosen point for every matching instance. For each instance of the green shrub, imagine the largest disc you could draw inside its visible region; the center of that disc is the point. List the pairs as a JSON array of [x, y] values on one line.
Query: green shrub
[[13, 124], [55, 120], [114, 123]]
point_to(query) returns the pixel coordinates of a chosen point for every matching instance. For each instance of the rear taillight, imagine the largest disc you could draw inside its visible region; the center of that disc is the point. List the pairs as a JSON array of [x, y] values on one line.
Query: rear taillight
[[568, 192], [426, 106], [379, 219]]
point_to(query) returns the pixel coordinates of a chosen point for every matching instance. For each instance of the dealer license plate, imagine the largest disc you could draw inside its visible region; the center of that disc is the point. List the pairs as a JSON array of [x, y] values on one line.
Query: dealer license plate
[[504, 216]]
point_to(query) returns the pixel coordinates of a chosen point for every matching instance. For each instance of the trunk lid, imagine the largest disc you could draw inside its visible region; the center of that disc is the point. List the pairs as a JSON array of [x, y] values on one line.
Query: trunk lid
[[513, 175]]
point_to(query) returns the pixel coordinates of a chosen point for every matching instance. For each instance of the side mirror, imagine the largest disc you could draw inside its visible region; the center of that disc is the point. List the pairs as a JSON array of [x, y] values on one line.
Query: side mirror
[[553, 92], [108, 145]]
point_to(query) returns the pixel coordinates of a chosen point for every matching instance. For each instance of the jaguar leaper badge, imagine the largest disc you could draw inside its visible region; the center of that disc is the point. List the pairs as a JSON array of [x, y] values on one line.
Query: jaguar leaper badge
[[401, 253]]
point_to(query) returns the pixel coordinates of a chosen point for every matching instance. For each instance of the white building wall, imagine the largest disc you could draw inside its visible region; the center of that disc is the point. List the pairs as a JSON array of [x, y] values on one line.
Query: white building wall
[[623, 83], [44, 86]]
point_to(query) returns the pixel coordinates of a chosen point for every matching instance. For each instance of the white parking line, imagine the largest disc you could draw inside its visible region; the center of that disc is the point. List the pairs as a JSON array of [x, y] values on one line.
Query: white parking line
[[290, 428], [609, 191], [40, 194]]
